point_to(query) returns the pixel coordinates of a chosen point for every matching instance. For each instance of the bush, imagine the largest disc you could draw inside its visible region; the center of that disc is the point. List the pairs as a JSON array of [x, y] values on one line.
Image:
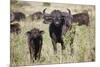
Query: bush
[[46, 4]]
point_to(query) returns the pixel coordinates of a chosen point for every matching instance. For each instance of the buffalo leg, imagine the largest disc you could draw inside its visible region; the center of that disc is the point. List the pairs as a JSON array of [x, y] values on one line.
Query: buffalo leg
[[62, 44], [31, 54], [36, 53], [39, 53], [54, 46]]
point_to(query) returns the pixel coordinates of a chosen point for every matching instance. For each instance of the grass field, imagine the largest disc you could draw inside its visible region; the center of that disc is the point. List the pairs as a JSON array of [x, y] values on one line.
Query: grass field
[[84, 38]]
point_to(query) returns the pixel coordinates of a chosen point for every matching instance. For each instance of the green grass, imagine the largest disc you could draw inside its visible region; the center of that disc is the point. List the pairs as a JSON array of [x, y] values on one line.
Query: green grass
[[84, 38]]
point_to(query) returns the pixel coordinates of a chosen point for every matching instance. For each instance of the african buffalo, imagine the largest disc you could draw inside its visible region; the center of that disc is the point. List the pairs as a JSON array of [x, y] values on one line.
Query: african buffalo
[[36, 15], [35, 41], [57, 27], [81, 19], [15, 28], [17, 16]]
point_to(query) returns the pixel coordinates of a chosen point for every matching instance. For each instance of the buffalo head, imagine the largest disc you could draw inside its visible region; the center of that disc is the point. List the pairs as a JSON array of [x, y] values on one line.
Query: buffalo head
[[34, 33]]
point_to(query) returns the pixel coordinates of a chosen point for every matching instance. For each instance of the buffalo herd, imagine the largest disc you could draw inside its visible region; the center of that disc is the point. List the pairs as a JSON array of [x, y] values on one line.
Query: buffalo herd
[[59, 23]]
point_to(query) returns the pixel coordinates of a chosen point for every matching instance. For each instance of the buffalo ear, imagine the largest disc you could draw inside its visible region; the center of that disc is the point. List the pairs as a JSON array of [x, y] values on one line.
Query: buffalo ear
[[28, 33], [42, 32]]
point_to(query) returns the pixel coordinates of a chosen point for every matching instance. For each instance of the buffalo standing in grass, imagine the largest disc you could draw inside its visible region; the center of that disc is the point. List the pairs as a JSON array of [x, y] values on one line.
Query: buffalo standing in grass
[[35, 40], [57, 27], [17, 16], [81, 19]]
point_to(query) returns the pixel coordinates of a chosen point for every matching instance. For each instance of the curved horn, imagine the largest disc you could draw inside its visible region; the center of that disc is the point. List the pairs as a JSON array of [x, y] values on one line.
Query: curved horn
[[69, 11], [44, 10]]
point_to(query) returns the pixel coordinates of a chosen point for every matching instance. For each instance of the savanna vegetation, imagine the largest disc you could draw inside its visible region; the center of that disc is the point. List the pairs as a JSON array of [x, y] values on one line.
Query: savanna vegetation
[[84, 38]]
